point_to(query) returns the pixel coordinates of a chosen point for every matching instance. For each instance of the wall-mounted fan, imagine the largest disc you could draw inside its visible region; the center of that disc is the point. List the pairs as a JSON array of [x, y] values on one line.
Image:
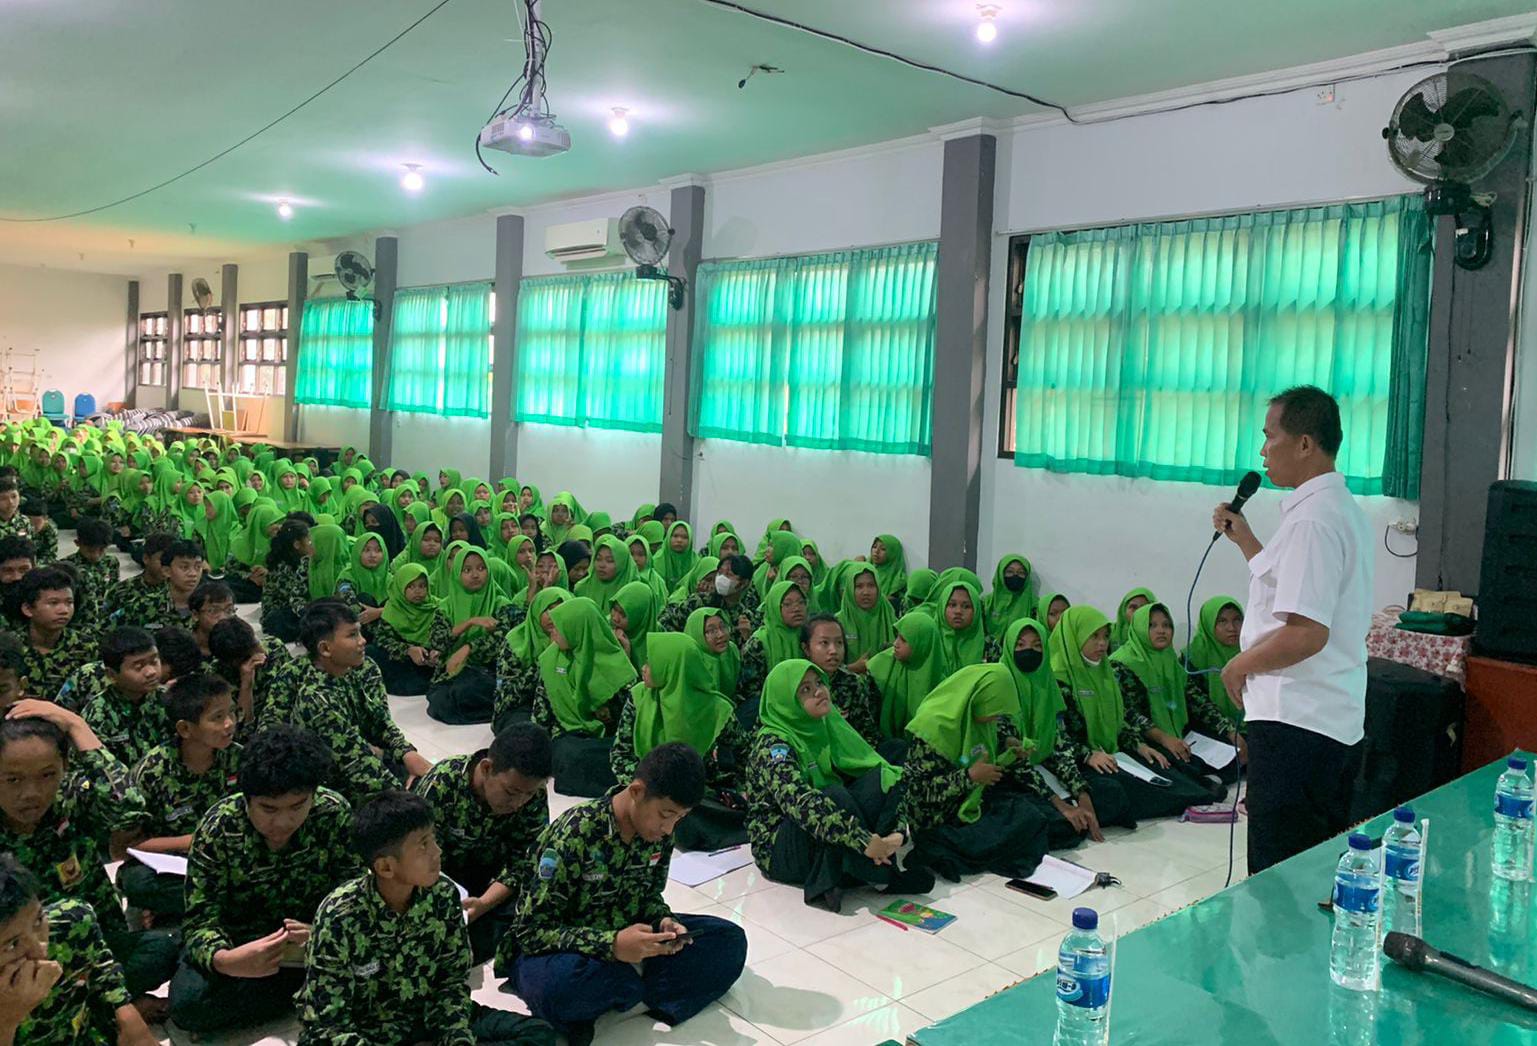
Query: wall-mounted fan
[[355, 273], [202, 294], [1449, 131], [645, 236]]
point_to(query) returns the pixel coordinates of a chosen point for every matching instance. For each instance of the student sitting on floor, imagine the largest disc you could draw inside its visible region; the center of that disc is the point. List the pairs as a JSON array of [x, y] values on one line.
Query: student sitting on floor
[[402, 640], [261, 862], [13, 680], [179, 780], [469, 628], [12, 521], [56, 958], [337, 694], [183, 562], [822, 643], [248, 665], [141, 598], [584, 681], [210, 603], [17, 557], [389, 959], [517, 663], [286, 589], [97, 567], [44, 534], [903, 674], [56, 647], [592, 931], [124, 703]]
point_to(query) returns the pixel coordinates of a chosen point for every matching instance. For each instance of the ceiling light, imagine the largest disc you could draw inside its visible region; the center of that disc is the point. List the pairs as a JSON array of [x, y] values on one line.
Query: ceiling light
[[412, 180], [987, 26], [285, 210], [619, 126]]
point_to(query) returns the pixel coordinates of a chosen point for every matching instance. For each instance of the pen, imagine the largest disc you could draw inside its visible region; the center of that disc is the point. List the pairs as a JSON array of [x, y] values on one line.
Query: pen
[[893, 922]]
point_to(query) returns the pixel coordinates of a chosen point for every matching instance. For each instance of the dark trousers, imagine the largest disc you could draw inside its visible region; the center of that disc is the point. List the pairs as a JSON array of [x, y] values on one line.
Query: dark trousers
[[245, 590], [580, 765], [154, 892], [468, 697], [1008, 839], [401, 678], [712, 825], [800, 859], [281, 622], [566, 988], [209, 1002], [1299, 790], [147, 956]]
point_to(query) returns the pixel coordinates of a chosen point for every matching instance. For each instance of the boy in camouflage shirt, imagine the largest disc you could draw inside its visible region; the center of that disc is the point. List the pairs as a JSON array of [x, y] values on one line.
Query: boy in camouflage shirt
[[122, 701], [248, 665], [12, 522], [262, 860], [45, 536], [139, 600], [17, 556], [55, 646], [96, 567]]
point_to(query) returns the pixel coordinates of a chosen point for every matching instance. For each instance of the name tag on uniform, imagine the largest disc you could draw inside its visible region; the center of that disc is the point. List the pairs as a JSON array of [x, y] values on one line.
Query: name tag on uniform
[[367, 969], [560, 670], [182, 811], [1084, 693], [597, 875]]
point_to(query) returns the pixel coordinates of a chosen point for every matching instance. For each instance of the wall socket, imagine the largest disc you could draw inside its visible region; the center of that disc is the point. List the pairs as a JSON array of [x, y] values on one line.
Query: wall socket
[[1406, 526], [1326, 95]]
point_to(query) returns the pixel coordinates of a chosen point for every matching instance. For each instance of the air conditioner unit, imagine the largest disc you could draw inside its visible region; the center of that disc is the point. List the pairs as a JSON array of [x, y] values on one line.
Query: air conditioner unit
[[583, 241]]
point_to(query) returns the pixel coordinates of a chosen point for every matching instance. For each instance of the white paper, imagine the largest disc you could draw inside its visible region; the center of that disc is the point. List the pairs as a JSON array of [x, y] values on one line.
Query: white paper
[[693, 867], [1053, 782], [464, 895], [165, 864], [1068, 879], [1215, 754], [1137, 770]]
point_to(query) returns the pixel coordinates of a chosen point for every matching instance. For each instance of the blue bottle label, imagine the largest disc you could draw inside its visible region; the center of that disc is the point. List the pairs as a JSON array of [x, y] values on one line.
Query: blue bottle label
[[1359, 899], [1512, 806], [1403, 863], [1090, 992]]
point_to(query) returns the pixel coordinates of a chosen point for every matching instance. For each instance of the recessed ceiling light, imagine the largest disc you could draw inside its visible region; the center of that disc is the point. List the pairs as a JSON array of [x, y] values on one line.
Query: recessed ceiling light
[[987, 25], [285, 210], [412, 180], [619, 125]]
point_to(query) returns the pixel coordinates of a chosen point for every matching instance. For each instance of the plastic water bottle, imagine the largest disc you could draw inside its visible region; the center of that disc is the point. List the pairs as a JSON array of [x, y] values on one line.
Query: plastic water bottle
[[1403, 857], [1357, 917], [1083, 984], [1513, 822]]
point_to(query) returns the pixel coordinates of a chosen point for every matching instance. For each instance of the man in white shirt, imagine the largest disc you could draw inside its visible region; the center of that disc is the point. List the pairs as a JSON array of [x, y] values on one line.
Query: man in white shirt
[[1301, 675]]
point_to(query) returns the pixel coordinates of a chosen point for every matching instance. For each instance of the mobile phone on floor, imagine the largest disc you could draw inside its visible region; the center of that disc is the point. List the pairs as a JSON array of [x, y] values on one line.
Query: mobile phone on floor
[[1045, 893]]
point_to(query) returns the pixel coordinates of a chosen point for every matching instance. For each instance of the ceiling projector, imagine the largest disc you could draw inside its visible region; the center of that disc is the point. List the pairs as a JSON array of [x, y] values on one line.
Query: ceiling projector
[[521, 135]]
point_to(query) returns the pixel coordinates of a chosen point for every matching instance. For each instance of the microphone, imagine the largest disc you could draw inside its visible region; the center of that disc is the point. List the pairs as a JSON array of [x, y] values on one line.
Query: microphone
[[1246, 488], [1412, 953]]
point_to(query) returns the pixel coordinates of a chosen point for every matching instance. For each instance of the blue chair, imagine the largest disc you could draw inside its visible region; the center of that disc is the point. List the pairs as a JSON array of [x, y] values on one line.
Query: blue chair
[[85, 406], [53, 407]]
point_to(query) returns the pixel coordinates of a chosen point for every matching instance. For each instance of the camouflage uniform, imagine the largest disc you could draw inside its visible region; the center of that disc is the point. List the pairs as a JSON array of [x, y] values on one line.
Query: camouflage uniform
[[478, 846], [46, 541], [777, 791], [377, 976], [517, 684], [858, 698], [174, 797], [721, 762], [1204, 714], [17, 526], [82, 1007], [129, 728], [350, 713], [96, 580], [287, 588], [675, 615], [135, 602], [46, 673], [261, 682], [485, 647]]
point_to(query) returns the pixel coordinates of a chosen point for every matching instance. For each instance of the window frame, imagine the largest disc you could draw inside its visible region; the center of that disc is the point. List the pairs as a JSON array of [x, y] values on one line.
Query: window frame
[[261, 333]]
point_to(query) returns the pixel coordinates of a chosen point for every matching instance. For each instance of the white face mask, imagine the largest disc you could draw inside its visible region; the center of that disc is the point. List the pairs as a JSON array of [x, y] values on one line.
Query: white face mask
[[1093, 664], [724, 585]]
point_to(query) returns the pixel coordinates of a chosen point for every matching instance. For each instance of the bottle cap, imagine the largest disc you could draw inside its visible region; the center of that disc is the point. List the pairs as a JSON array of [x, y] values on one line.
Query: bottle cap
[[1516, 764], [1360, 841], [1404, 815], [1085, 919]]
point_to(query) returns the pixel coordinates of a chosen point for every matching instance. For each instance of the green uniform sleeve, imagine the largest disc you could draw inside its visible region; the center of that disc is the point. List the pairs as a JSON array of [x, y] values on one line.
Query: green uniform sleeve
[[203, 931], [622, 758], [327, 1007], [528, 823], [811, 808], [441, 636], [549, 896], [110, 800], [934, 787], [1133, 691], [543, 712], [1205, 716], [754, 669], [448, 1002], [675, 616], [363, 771], [390, 642], [377, 726]]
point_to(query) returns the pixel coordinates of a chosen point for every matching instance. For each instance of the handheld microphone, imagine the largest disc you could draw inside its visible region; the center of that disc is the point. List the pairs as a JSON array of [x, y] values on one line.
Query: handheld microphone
[[1246, 488], [1413, 953]]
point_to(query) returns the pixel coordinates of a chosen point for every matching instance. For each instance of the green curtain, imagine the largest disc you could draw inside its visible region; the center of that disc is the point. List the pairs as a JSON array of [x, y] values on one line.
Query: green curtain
[[440, 350], [336, 353], [416, 335], [467, 351], [1152, 350], [592, 351], [829, 351]]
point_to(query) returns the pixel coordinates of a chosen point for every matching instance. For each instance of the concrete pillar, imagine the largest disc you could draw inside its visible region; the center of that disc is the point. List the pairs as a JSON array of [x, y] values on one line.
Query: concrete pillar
[[504, 361], [677, 468], [173, 330], [298, 287], [381, 424], [131, 348], [229, 329]]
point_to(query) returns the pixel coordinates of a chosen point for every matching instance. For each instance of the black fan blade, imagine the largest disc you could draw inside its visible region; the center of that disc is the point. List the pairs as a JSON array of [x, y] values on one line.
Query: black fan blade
[[1460, 151], [1467, 105], [1415, 119]]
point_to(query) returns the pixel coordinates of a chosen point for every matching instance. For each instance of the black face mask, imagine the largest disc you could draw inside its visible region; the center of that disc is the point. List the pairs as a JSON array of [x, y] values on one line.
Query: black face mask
[[1027, 660], [1014, 582]]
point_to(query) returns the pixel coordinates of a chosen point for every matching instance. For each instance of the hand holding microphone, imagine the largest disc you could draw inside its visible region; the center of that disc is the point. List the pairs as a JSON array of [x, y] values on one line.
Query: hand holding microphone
[[1227, 519]]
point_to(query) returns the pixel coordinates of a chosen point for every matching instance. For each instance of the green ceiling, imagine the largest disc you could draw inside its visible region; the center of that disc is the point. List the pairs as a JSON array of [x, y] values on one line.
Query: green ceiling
[[100, 98]]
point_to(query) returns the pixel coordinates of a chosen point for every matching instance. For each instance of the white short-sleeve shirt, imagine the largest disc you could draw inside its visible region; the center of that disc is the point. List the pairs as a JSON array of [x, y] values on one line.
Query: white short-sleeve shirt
[[1319, 565]]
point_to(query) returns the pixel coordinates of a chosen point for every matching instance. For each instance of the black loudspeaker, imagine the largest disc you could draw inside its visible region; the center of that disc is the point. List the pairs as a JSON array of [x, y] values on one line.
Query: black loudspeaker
[[1413, 737], [1507, 586]]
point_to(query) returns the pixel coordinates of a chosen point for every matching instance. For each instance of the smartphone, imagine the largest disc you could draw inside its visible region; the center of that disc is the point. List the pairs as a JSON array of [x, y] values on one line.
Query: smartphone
[[683, 938], [1045, 893]]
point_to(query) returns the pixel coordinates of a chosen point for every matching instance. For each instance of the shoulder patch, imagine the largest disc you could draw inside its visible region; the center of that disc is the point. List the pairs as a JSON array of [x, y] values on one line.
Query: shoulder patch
[[548, 862], [779, 753]]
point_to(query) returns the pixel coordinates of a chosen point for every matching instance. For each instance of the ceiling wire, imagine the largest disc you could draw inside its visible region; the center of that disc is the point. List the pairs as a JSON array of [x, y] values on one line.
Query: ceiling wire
[[254, 134]]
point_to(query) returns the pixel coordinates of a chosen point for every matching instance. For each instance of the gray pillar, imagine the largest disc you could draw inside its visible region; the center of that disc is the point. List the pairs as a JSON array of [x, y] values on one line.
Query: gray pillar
[[131, 349], [677, 471], [173, 328], [229, 325], [298, 286], [504, 362], [381, 422], [960, 349], [1469, 371]]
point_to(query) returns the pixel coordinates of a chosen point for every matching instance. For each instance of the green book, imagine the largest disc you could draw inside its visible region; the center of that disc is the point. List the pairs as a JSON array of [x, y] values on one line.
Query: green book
[[915, 915]]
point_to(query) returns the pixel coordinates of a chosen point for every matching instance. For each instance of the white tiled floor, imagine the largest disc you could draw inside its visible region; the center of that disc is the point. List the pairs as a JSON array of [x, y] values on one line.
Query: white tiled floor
[[818, 979]]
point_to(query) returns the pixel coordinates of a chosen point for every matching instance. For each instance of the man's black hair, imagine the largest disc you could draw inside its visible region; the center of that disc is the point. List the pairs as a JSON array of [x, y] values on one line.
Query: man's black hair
[[122, 643], [10, 472], [13, 656], [91, 532], [232, 641], [300, 516], [209, 591], [18, 887], [666, 508], [281, 760], [741, 566], [181, 549], [44, 579], [1307, 410], [8, 484], [34, 507], [155, 544], [20, 728], [809, 626], [13, 547], [283, 553], [320, 621], [524, 747], [190, 697], [380, 826], [573, 552], [178, 651], [673, 771]]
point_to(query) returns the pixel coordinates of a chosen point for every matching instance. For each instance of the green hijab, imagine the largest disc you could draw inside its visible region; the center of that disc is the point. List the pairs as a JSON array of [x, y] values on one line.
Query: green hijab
[[1094, 688], [919, 584], [1040, 699], [527, 639], [459, 603], [780, 641], [827, 749], [728, 663], [774, 527], [558, 533], [781, 546], [412, 553], [640, 611], [720, 539], [892, 574], [219, 532], [603, 592], [1121, 627], [966, 646], [1159, 671], [420, 512], [681, 702], [865, 632], [1005, 606], [331, 556], [295, 500], [675, 566], [252, 544], [583, 679], [948, 722], [454, 478], [510, 556], [653, 531], [374, 583], [1208, 656], [1043, 606], [703, 567], [904, 684], [412, 620]]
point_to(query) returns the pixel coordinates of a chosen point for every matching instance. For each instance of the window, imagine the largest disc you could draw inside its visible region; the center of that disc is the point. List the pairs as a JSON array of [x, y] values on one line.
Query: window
[[828, 351], [336, 357], [591, 351], [263, 348], [440, 351], [1153, 350], [202, 351], [154, 337]]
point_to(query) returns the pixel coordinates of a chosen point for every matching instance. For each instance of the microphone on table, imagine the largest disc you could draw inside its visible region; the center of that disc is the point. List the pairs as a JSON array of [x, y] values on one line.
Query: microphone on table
[[1246, 488], [1413, 953]]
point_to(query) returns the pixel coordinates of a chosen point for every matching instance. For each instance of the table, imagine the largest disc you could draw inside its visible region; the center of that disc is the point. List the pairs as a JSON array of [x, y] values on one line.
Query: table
[[325, 453], [1250, 965], [1502, 709], [1439, 655]]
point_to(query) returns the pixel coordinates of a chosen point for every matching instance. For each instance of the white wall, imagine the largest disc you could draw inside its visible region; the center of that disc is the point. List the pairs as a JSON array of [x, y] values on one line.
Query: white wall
[[608, 471], [76, 323]]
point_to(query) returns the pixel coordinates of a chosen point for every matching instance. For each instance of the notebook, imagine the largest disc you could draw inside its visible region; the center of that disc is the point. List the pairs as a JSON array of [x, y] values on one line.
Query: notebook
[[917, 916]]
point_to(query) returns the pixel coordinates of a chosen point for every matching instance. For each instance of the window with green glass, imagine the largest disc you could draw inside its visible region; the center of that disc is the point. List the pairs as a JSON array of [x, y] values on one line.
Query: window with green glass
[[440, 351], [336, 353], [1153, 350], [827, 351], [592, 351]]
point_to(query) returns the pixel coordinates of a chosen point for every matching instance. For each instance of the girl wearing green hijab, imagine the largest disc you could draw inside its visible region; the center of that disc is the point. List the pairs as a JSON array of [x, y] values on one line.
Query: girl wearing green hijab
[[1155, 685], [774, 527], [904, 673], [957, 609], [164, 509], [587, 678], [402, 642], [1049, 609], [633, 615], [565, 512], [920, 583], [710, 629], [330, 559], [612, 569], [823, 806], [426, 550], [1013, 594], [246, 570], [699, 581], [218, 531], [290, 497], [725, 543], [468, 629], [963, 775], [415, 514], [819, 572], [869, 624], [519, 554], [777, 639], [1131, 602], [890, 564], [1096, 717], [678, 555], [780, 547], [1214, 645], [517, 663], [368, 572]]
